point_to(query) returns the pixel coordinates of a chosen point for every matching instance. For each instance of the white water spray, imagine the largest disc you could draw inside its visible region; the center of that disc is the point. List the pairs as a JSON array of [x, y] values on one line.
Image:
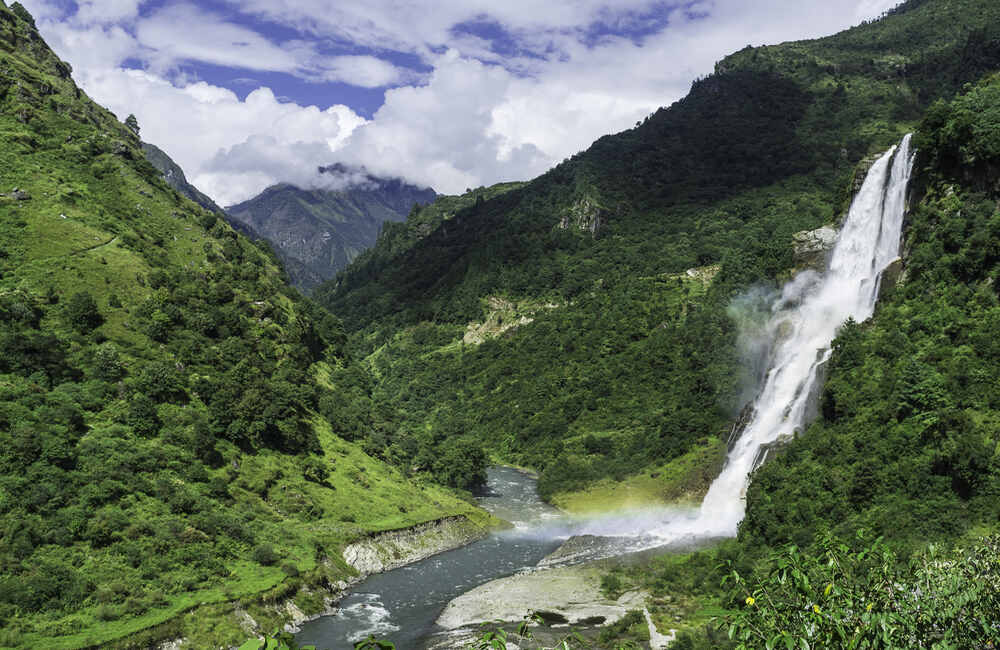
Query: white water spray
[[804, 322]]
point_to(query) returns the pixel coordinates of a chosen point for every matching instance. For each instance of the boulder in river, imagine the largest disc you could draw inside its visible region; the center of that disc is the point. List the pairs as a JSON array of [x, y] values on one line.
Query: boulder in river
[[570, 595]]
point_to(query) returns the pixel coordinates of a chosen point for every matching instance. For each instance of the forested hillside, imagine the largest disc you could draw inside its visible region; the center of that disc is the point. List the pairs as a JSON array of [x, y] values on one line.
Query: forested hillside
[[609, 281], [909, 424], [165, 399], [867, 530]]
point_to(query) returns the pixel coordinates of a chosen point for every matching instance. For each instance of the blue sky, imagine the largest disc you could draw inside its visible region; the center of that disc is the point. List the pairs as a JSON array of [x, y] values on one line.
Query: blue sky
[[450, 93]]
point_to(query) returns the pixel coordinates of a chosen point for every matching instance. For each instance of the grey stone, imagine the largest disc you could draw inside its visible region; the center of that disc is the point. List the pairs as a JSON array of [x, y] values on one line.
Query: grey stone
[[586, 215], [812, 246], [393, 549]]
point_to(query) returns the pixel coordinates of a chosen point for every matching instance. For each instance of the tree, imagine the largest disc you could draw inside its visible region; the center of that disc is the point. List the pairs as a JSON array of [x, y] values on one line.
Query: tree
[[82, 313], [461, 464], [132, 124]]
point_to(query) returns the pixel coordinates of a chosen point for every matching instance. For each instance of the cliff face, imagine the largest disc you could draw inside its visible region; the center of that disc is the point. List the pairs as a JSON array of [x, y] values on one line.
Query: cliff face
[[174, 176], [319, 232]]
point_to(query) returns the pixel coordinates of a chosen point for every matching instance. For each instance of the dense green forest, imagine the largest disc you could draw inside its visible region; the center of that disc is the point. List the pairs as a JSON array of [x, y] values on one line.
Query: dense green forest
[[165, 397], [630, 359]]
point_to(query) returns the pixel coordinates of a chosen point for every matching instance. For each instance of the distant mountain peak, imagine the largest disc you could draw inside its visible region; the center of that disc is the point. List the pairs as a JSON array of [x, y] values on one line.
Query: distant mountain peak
[[357, 177], [318, 231]]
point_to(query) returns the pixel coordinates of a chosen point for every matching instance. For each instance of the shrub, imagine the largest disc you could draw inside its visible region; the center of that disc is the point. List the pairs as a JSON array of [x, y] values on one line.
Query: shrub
[[265, 555], [81, 312], [107, 613], [867, 599]]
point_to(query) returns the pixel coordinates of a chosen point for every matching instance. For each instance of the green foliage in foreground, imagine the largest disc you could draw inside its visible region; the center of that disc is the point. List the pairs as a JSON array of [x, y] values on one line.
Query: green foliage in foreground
[[833, 597], [497, 637], [277, 641]]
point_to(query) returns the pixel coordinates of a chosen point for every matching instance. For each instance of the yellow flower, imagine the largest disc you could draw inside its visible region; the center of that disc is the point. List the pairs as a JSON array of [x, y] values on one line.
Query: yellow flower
[[751, 600], [816, 608], [869, 607]]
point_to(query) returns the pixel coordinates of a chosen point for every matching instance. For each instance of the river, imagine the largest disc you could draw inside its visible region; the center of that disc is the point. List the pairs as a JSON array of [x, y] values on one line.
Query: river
[[402, 605]]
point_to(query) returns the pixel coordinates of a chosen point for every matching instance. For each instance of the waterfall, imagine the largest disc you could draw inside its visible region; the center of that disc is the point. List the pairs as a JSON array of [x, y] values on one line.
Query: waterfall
[[802, 326]]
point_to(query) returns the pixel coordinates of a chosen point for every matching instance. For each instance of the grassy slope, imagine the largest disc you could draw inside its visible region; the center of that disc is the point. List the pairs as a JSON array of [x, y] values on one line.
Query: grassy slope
[[766, 147], [100, 220]]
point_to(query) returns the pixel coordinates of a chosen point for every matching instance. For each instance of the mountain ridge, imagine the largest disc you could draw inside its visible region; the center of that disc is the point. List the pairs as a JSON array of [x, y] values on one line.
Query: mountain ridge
[[318, 232]]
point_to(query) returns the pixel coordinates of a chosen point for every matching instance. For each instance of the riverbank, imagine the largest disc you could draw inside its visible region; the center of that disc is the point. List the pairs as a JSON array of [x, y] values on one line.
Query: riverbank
[[682, 481], [314, 594], [377, 553], [401, 605]]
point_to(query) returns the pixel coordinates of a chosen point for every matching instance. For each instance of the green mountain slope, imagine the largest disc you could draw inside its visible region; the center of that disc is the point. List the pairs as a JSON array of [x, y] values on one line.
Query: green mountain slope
[[847, 536], [165, 399], [906, 442], [629, 360], [319, 232]]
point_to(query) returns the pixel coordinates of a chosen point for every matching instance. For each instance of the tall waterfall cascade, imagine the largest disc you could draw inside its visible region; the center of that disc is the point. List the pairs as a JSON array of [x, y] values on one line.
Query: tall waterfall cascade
[[803, 323]]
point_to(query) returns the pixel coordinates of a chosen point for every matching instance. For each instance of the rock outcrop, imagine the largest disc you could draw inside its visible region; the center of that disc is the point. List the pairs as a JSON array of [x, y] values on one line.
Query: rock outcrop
[[502, 316], [586, 215], [812, 246], [892, 276], [393, 549]]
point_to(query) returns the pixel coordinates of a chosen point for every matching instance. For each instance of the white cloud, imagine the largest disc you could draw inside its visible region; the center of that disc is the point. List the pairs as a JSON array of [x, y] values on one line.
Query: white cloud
[[477, 124], [867, 9], [230, 149], [183, 32], [364, 71], [479, 117], [107, 11]]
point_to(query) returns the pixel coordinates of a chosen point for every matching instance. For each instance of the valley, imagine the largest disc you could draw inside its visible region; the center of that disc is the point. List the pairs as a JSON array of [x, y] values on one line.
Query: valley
[[728, 377]]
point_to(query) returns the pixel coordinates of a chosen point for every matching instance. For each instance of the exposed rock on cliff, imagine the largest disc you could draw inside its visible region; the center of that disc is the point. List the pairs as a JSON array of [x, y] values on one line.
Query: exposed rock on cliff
[[393, 549], [812, 246], [586, 215]]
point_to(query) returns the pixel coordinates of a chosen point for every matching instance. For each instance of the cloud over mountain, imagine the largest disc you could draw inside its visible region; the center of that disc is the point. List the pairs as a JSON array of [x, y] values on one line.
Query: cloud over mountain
[[459, 94]]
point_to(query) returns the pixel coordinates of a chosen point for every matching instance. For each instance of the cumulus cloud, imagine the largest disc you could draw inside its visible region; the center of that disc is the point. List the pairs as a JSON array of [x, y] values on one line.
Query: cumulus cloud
[[513, 87], [105, 11], [231, 149]]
